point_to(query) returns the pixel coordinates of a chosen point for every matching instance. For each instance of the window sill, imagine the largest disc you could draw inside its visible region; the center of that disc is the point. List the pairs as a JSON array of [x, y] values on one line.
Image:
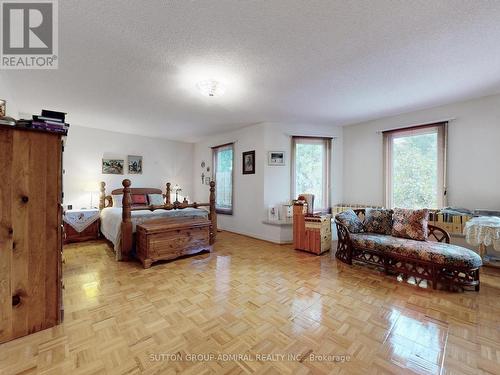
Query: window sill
[[224, 212], [278, 222]]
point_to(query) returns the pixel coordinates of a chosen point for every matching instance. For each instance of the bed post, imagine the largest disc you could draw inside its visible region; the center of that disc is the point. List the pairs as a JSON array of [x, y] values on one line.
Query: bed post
[[167, 196], [126, 240], [213, 214], [102, 196]]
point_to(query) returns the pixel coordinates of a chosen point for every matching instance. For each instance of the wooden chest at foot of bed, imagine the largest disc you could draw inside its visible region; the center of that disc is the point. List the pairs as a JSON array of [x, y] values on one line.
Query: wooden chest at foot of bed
[[170, 238]]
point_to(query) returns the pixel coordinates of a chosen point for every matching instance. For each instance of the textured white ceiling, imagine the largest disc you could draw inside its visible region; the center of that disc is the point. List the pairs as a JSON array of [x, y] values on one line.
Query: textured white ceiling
[[131, 66]]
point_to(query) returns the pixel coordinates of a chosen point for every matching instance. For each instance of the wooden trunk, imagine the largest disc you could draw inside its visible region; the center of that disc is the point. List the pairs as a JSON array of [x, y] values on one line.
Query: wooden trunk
[[30, 231], [171, 238]]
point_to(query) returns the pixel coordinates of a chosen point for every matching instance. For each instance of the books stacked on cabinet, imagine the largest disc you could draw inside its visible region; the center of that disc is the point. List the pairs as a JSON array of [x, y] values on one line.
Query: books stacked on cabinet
[[453, 223], [4, 120], [50, 121], [341, 207]]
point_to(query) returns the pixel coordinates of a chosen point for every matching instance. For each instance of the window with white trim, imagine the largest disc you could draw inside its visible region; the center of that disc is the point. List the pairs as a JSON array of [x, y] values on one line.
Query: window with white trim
[[415, 166], [223, 161], [311, 169]]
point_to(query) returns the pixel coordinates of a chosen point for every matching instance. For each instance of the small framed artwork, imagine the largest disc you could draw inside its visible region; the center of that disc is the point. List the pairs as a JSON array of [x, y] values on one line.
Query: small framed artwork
[[207, 180], [3, 111], [276, 158], [112, 166], [248, 162], [272, 213], [134, 164]]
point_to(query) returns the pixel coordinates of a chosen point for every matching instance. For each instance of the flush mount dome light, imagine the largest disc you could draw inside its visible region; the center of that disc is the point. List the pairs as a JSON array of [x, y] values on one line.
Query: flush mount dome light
[[210, 87]]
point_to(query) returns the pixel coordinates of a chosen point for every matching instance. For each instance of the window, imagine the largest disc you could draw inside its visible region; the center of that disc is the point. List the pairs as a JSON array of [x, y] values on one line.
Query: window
[[223, 157], [311, 169], [415, 166]]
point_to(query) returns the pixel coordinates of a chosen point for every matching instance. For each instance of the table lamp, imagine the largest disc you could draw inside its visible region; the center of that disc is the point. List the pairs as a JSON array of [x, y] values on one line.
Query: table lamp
[[177, 188], [91, 187]]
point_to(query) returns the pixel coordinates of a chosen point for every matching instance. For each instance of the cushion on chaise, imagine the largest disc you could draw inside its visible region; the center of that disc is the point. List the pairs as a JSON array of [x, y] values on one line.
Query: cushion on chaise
[[412, 224], [351, 221], [436, 252], [378, 220]]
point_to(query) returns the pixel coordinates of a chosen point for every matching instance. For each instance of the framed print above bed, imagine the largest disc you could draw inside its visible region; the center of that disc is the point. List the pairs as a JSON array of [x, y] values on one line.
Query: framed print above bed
[[112, 166], [134, 164]]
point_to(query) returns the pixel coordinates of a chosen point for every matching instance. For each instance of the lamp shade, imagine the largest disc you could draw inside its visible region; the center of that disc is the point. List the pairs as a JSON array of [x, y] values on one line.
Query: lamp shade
[[91, 187]]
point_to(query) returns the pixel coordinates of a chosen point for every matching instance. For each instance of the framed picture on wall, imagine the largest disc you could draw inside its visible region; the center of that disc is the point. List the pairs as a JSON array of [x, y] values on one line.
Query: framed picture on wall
[[134, 164], [112, 166], [248, 162], [3, 111], [276, 158]]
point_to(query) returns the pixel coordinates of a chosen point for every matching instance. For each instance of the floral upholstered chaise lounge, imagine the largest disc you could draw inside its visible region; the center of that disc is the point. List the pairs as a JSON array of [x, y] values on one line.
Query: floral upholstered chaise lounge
[[402, 242]]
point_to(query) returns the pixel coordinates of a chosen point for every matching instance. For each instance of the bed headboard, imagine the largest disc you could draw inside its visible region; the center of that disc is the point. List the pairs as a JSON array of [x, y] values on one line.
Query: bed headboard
[[138, 191], [107, 200]]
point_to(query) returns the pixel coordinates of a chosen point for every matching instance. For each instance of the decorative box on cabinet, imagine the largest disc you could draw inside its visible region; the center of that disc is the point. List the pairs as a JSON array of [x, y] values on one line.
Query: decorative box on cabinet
[[30, 231]]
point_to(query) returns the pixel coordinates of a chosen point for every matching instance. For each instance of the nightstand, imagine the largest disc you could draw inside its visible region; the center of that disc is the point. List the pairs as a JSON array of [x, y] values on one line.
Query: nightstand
[[81, 225]]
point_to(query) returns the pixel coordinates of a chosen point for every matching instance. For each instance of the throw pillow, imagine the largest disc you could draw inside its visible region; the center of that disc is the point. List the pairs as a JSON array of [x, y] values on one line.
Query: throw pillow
[[410, 223], [139, 199], [378, 220], [117, 200], [156, 199], [351, 221]]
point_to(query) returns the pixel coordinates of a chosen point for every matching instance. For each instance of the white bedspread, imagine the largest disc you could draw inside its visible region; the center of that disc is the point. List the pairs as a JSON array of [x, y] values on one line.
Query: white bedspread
[[111, 219]]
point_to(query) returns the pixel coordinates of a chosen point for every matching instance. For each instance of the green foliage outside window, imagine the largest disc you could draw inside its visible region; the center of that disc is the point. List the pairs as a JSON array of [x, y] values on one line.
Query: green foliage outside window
[[309, 171], [224, 171], [414, 171]]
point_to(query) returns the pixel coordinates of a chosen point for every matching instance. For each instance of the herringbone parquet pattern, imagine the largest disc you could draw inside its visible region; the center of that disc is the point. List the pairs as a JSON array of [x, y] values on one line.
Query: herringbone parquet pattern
[[251, 298]]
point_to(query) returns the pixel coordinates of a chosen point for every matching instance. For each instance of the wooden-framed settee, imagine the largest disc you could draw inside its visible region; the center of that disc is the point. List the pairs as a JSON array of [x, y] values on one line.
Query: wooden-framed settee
[[435, 260], [126, 233]]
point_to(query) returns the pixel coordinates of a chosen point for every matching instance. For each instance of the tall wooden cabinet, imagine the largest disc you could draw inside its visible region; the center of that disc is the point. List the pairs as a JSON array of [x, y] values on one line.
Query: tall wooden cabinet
[[30, 231]]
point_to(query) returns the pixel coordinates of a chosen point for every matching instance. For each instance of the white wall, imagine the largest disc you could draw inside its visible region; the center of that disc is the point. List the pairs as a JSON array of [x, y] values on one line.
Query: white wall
[[270, 185], [473, 153], [163, 161], [248, 189]]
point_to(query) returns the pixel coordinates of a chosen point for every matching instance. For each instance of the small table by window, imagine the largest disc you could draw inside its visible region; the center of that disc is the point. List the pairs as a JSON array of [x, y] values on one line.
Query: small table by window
[[484, 231], [81, 225]]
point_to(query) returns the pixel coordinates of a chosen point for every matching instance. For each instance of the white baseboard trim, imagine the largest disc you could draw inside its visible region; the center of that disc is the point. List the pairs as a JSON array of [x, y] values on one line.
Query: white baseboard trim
[[257, 236]]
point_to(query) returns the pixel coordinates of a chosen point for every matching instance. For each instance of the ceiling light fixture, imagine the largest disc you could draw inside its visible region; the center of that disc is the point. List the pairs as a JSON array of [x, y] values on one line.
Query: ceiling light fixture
[[210, 87]]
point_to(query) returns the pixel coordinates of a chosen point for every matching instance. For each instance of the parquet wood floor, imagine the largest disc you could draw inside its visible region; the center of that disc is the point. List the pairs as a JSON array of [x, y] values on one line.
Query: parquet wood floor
[[255, 300]]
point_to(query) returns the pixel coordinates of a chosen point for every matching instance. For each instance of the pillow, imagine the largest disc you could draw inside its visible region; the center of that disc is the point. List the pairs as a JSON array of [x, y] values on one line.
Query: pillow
[[378, 220], [156, 199], [139, 199], [410, 223], [117, 200], [351, 221]]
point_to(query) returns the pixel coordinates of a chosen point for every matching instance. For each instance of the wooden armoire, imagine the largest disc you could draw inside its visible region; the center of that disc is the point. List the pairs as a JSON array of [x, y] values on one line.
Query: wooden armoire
[[30, 231]]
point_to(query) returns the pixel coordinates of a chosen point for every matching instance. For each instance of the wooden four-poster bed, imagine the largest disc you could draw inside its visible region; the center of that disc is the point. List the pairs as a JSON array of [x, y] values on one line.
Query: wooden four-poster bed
[[122, 229]]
